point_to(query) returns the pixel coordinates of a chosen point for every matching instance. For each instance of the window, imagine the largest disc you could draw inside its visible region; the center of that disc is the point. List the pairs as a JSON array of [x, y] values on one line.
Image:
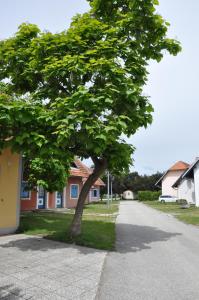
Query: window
[[74, 191], [73, 165], [59, 195], [94, 193], [25, 194], [41, 192]]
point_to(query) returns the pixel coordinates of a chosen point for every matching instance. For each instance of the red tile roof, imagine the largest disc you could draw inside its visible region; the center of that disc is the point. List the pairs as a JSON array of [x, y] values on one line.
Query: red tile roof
[[179, 166], [83, 171]]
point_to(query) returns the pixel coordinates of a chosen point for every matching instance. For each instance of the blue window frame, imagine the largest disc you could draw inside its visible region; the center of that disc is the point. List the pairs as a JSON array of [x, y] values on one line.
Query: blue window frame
[[74, 191], [94, 193], [25, 194]]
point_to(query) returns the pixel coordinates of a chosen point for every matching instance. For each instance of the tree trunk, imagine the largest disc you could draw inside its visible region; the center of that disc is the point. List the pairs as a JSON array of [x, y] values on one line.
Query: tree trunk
[[100, 167]]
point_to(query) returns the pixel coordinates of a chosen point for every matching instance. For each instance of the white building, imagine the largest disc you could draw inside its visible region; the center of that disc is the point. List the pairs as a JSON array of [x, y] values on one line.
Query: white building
[[187, 186], [170, 177], [128, 195]]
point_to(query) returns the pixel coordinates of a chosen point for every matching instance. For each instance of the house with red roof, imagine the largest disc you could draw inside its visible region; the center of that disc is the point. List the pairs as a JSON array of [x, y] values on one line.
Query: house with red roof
[[170, 177], [187, 184], [41, 199]]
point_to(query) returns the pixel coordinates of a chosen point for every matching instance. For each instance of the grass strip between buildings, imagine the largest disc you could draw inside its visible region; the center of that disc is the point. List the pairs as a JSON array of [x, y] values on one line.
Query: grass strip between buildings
[[189, 215], [98, 231]]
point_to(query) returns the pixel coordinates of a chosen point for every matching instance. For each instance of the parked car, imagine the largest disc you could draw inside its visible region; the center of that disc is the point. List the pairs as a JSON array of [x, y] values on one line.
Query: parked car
[[167, 198]]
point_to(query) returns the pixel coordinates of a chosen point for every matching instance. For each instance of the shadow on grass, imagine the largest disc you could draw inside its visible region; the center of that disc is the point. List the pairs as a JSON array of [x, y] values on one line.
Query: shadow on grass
[[133, 238], [98, 234]]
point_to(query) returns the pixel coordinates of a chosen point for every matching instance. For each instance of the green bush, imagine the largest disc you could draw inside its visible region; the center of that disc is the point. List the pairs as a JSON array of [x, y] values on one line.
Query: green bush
[[148, 195]]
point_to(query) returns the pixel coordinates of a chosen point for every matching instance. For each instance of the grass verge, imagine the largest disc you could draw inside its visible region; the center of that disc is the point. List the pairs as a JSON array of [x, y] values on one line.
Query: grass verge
[[97, 231], [189, 215]]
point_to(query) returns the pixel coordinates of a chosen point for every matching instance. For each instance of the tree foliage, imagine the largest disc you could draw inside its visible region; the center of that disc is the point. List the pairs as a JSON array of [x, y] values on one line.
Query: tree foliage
[[78, 92], [135, 182]]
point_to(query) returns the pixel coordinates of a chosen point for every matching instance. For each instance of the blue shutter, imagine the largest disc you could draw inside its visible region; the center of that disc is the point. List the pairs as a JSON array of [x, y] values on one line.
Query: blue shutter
[[25, 194], [74, 191]]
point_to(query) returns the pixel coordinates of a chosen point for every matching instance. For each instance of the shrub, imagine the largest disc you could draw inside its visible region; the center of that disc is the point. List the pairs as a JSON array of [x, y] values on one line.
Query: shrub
[[148, 195]]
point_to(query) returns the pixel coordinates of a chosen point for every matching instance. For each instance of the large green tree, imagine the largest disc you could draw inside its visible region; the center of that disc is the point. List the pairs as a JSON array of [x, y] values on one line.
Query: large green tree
[[79, 91]]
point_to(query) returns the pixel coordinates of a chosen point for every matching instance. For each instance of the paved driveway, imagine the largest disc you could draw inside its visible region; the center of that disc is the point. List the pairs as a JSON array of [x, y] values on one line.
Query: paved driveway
[[35, 268], [157, 258]]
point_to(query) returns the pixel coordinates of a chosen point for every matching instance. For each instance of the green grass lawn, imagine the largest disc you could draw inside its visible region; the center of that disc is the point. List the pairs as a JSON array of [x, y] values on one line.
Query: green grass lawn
[[97, 231], [189, 215], [101, 208]]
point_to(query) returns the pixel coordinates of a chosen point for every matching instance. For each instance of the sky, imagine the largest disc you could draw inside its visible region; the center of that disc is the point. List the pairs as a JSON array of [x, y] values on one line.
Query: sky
[[172, 84]]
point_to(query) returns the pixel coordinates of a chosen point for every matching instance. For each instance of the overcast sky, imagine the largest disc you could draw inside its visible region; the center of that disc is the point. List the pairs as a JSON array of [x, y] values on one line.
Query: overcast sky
[[172, 86]]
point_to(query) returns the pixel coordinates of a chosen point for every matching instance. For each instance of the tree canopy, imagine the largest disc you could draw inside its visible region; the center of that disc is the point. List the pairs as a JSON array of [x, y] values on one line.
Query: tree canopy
[[77, 92], [80, 91]]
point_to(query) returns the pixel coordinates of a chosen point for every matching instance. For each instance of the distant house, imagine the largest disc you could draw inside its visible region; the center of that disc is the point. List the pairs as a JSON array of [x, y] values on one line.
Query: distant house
[[170, 177], [10, 172], [128, 195], [40, 199], [187, 184]]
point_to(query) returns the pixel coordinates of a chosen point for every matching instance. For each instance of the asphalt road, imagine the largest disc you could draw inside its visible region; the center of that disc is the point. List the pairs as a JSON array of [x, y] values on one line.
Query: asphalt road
[[157, 257]]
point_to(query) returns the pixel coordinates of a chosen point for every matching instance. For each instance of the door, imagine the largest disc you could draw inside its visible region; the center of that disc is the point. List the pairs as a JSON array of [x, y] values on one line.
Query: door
[[59, 199], [41, 198]]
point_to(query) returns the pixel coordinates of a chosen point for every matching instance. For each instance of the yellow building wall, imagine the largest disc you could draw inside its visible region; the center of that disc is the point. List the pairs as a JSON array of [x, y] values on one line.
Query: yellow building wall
[[9, 191]]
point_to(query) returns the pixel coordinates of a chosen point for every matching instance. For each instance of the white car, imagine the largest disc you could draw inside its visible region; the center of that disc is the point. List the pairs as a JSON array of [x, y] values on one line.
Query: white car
[[167, 198]]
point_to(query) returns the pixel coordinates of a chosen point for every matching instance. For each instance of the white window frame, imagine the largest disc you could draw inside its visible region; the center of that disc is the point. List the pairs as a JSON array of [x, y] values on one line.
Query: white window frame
[[25, 198], [62, 199], [72, 184], [47, 198], [92, 192]]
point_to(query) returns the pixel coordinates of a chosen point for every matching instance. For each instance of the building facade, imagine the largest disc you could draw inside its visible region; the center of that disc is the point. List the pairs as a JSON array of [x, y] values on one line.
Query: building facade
[[10, 173], [188, 184], [40, 199], [170, 177]]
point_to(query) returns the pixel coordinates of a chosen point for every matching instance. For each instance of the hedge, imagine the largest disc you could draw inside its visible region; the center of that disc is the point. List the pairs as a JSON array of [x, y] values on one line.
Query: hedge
[[148, 195]]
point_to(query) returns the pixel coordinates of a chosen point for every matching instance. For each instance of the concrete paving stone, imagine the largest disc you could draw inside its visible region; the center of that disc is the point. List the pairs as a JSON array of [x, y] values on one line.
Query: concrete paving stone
[[95, 277], [66, 268], [53, 286], [43, 282], [42, 269], [12, 282], [22, 274], [69, 292], [47, 297], [10, 289], [69, 279], [5, 264], [55, 274], [3, 276], [95, 267], [38, 269], [50, 297], [4, 293], [55, 265], [88, 295], [33, 292], [86, 284], [10, 297], [84, 273], [35, 280]]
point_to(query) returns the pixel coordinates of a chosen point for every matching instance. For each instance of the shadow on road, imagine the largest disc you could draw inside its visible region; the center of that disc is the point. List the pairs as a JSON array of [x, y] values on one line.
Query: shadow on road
[[43, 244], [9, 291], [133, 238], [130, 238]]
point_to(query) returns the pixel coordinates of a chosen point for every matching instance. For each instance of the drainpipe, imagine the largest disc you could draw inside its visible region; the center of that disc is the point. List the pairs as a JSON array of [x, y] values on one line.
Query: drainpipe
[[108, 187]]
